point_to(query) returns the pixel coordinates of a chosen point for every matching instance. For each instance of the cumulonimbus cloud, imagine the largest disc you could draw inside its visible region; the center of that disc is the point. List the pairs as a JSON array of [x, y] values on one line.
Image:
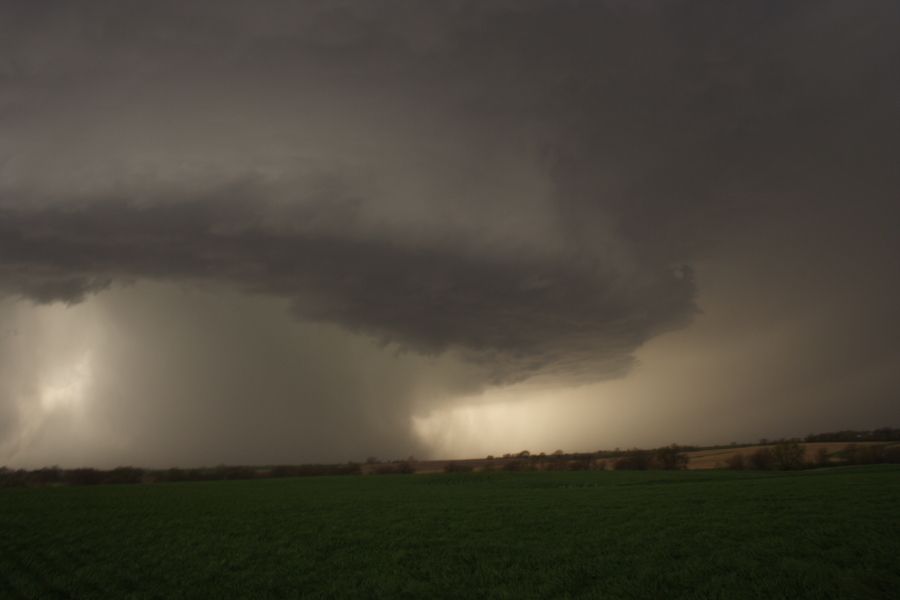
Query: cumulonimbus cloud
[[518, 315], [522, 183]]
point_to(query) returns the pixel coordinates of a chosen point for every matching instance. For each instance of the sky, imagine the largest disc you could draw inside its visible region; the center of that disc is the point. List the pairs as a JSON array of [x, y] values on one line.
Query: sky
[[291, 232]]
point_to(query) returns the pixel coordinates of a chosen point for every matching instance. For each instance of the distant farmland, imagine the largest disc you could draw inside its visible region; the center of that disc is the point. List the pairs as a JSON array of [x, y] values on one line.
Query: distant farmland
[[718, 458], [829, 533], [712, 458]]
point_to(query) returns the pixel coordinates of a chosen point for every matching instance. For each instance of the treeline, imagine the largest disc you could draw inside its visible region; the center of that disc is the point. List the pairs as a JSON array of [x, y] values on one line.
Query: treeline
[[790, 456], [783, 455], [133, 475], [665, 458], [885, 434]]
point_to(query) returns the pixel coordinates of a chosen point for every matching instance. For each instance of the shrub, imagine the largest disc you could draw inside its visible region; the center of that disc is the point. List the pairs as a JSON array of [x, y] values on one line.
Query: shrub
[[555, 465], [455, 467], [671, 458], [762, 459], [314, 470], [124, 475], [399, 468], [864, 455], [736, 462], [788, 456], [579, 464], [634, 460], [45, 476], [12, 477], [517, 465], [822, 457], [231, 472], [892, 455], [83, 477]]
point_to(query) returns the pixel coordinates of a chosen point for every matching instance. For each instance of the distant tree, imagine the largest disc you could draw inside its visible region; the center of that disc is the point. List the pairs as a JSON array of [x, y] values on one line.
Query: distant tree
[[634, 460], [524, 454], [892, 454], [397, 468], [883, 434], [518, 465], [761, 459], [578, 464], [556, 465], [864, 454], [83, 476], [124, 475], [671, 458], [736, 462], [455, 467], [371, 460], [788, 456], [45, 476], [558, 453]]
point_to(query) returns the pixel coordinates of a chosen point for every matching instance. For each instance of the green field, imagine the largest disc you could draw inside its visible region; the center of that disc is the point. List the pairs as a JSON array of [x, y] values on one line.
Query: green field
[[830, 533]]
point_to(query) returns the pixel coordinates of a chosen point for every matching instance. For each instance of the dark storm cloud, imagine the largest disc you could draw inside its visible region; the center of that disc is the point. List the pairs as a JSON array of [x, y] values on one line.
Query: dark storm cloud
[[525, 184], [518, 313]]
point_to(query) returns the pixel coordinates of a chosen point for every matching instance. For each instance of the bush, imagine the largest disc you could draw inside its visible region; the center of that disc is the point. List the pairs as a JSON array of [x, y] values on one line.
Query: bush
[[761, 459], [455, 467], [788, 456], [517, 465], [174, 474], [634, 460], [671, 458], [864, 455], [314, 470], [555, 465], [232, 472], [45, 476], [399, 468], [11, 477], [124, 475], [822, 458], [579, 464], [83, 477], [736, 462], [892, 455]]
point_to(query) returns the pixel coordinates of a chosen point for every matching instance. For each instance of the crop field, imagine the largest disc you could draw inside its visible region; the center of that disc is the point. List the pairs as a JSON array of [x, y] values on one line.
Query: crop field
[[713, 459], [827, 533]]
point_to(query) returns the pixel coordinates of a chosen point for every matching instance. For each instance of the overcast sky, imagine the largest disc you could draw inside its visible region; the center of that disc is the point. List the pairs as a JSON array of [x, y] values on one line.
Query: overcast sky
[[284, 232]]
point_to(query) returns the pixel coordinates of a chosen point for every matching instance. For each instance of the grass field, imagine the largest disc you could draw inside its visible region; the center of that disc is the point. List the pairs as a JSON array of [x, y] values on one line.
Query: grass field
[[830, 533]]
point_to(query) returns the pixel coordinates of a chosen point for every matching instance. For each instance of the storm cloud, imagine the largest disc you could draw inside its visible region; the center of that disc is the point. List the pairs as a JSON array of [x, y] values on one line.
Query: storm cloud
[[523, 313], [507, 192]]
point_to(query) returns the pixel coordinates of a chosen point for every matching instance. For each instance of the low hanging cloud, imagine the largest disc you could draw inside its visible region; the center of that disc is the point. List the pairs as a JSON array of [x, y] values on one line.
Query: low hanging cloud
[[518, 315]]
